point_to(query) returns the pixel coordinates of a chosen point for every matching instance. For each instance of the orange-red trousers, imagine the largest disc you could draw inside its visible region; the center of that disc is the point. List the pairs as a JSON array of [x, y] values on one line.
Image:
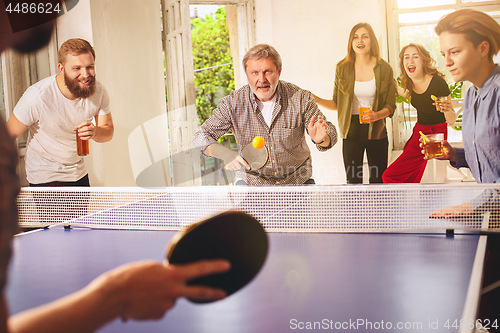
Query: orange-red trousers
[[410, 165]]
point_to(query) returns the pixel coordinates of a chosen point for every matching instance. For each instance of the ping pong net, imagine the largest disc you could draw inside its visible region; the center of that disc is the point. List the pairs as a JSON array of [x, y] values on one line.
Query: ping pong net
[[342, 208]]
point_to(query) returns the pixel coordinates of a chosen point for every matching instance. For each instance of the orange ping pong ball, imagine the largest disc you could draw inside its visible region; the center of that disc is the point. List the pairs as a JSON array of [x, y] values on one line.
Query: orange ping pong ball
[[258, 142]]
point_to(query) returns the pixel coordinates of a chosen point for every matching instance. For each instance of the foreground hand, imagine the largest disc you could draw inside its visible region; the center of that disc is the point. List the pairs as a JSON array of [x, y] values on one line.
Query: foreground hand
[[146, 290], [317, 130], [453, 211], [237, 164], [449, 153], [86, 130]]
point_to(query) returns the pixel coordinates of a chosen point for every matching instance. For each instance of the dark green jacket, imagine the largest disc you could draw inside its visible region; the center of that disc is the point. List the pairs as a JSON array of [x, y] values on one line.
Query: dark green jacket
[[385, 97]]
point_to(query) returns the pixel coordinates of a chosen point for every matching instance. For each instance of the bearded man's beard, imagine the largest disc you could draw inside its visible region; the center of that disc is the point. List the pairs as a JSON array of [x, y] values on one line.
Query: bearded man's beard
[[78, 91]]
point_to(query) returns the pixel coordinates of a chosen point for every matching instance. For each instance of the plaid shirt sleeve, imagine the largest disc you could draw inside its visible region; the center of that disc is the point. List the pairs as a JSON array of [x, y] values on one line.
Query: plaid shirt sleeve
[[9, 189], [214, 127]]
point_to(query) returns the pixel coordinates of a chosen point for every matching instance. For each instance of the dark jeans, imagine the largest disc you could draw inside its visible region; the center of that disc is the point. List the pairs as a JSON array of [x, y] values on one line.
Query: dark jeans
[[310, 181], [84, 181], [353, 148], [59, 206]]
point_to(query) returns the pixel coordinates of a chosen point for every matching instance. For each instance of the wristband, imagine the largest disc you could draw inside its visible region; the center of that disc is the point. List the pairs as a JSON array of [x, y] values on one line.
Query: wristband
[[318, 142]]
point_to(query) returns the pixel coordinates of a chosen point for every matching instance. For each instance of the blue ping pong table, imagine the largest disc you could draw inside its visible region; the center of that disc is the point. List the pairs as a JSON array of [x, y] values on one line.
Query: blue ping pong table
[[311, 281]]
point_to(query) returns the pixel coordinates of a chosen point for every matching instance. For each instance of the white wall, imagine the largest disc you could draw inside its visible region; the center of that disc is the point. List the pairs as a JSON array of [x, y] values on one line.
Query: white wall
[[75, 24], [311, 37], [129, 63]]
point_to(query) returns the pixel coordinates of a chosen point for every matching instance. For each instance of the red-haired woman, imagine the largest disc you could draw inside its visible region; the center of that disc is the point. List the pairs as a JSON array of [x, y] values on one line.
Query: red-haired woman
[[420, 80]]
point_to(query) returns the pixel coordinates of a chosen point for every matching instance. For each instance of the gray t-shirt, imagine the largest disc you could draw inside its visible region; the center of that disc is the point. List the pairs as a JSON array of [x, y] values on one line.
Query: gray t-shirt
[[51, 151]]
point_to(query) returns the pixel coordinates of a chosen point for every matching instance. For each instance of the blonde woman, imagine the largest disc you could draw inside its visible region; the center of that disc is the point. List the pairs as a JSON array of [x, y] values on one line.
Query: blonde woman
[[363, 78]]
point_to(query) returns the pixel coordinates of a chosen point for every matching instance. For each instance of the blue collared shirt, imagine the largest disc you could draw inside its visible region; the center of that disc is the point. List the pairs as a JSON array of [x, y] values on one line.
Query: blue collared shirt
[[481, 134]]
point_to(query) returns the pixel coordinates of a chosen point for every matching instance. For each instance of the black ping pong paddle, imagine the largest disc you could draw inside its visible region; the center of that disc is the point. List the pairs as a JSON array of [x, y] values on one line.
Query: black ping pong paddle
[[256, 158], [234, 236]]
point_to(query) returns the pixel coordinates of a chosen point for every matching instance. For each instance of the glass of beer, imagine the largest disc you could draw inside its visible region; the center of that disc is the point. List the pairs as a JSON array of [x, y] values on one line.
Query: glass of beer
[[364, 109], [82, 146], [442, 100], [434, 147]]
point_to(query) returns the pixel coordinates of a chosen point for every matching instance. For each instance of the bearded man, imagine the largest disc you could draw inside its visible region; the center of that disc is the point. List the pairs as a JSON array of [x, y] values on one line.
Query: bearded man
[[54, 109]]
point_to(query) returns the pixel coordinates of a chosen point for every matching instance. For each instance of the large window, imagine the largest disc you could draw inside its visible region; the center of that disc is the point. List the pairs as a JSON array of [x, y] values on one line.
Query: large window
[[180, 78], [17, 73], [414, 21]]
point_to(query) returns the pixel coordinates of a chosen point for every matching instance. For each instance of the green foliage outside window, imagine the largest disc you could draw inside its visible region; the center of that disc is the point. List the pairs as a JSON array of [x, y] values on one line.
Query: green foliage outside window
[[456, 92], [214, 74]]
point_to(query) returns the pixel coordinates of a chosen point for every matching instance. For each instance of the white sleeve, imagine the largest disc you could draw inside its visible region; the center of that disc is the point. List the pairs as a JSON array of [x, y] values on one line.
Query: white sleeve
[[25, 110], [104, 109]]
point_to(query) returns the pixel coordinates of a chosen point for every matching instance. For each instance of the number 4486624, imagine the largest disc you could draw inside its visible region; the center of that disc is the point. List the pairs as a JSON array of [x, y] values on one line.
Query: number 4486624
[[33, 8], [486, 323]]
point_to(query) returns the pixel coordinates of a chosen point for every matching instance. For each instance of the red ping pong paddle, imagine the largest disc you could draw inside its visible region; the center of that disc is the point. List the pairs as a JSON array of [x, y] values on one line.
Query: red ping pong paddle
[[233, 235]]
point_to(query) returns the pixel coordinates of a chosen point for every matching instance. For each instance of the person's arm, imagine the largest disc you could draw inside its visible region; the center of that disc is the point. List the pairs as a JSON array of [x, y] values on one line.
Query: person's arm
[[4, 313], [325, 103], [322, 132], [104, 128], [206, 136], [101, 132], [389, 106], [231, 158], [390, 101], [330, 104], [486, 201], [381, 114], [482, 203], [453, 211], [450, 153], [399, 90], [447, 109], [138, 291], [14, 127], [318, 131]]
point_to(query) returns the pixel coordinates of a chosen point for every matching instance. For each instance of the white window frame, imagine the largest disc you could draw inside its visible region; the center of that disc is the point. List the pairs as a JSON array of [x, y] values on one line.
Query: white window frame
[[182, 116]]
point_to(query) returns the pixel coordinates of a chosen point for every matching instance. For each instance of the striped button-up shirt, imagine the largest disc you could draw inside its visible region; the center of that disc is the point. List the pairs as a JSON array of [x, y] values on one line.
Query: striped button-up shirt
[[481, 137], [289, 155]]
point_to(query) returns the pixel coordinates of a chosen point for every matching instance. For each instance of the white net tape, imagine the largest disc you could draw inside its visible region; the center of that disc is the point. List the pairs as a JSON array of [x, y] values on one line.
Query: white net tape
[[361, 208]]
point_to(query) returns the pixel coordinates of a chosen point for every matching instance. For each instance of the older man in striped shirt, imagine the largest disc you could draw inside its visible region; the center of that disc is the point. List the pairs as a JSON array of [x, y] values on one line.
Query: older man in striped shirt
[[276, 110]]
